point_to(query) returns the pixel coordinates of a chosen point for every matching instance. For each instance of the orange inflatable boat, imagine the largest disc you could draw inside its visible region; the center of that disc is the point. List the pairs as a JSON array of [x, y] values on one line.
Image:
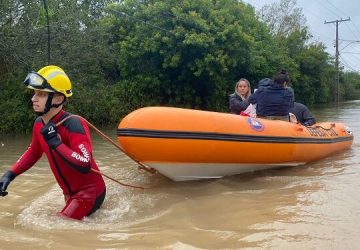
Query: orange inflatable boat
[[185, 144]]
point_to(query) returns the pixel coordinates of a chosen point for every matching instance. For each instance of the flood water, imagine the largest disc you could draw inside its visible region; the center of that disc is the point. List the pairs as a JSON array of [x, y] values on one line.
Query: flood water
[[316, 206]]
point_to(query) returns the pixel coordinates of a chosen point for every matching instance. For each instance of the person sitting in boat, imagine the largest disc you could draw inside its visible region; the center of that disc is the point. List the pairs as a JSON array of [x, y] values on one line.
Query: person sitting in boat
[[66, 143], [274, 102], [251, 109], [239, 99], [263, 83], [302, 114]]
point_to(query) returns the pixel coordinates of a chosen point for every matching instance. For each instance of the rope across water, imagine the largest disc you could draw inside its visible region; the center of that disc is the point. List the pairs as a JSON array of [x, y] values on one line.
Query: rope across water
[[113, 143]]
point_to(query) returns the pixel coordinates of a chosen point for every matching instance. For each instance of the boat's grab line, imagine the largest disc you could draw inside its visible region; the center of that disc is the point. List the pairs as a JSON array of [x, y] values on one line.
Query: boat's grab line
[[191, 135]]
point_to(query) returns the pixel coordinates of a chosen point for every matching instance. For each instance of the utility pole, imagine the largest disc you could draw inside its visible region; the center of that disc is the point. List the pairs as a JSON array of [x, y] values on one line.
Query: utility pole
[[337, 55]]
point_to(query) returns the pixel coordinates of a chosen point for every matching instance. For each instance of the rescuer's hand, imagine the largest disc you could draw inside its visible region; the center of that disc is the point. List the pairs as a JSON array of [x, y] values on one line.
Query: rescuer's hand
[[5, 181], [50, 135]]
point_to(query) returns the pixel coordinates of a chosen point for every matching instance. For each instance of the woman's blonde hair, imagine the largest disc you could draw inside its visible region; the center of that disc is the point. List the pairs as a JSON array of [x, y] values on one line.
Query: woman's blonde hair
[[248, 84]]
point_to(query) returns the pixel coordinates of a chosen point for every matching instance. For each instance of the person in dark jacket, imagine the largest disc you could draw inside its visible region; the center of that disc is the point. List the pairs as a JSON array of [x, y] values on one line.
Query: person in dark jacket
[[263, 83], [274, 101], [303, 114], [239, 99]]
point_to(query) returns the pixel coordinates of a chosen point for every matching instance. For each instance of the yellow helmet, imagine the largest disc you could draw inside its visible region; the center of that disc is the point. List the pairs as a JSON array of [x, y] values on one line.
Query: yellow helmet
[[51, 79]]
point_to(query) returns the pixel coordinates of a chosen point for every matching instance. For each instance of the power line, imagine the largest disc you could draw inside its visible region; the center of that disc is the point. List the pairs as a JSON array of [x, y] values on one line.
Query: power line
[[355, 35], [336, 7], [348, 52], [48, 30], [328, 9], [349, 43], [143, 21], [345, 63], [355, 27]]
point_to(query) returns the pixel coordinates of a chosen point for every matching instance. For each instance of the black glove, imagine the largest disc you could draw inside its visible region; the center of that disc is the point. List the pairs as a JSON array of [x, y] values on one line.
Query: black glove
[[5, 181], [50, 135]]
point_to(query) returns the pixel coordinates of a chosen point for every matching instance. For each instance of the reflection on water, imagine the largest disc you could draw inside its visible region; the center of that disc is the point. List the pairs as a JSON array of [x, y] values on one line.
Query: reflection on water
[[315, 206]]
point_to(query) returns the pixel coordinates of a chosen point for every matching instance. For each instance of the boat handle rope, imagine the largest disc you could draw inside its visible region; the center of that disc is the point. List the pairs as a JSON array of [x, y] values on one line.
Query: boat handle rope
[[113, 143], [332, 125]]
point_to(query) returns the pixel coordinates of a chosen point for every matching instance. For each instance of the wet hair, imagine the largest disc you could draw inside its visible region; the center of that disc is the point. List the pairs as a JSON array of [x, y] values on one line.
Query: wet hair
[[281, 77]]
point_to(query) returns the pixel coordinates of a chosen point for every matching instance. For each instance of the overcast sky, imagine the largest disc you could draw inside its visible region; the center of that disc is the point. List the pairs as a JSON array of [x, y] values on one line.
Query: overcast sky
[[319, 11]]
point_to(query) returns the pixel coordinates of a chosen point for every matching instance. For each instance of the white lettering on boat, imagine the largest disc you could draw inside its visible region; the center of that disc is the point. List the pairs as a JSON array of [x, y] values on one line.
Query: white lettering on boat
[[321, 132]]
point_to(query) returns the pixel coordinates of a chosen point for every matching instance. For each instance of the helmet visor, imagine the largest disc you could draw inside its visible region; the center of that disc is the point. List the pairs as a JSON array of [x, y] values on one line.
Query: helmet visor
[[35, 81]]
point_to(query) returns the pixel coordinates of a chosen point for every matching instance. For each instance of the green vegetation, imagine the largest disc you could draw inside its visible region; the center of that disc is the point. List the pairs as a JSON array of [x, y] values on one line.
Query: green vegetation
[[123, 55]]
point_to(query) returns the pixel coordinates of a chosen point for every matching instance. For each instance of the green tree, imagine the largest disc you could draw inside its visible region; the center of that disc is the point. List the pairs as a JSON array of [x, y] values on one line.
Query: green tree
[[193, 51], [311, 67], [350, 85], [283, 18], [78, 44], [122, 55], [310, 79]]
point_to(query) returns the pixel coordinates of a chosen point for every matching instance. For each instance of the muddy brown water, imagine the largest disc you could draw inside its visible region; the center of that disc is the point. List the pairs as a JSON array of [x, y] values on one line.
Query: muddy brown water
[[316, 206]]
